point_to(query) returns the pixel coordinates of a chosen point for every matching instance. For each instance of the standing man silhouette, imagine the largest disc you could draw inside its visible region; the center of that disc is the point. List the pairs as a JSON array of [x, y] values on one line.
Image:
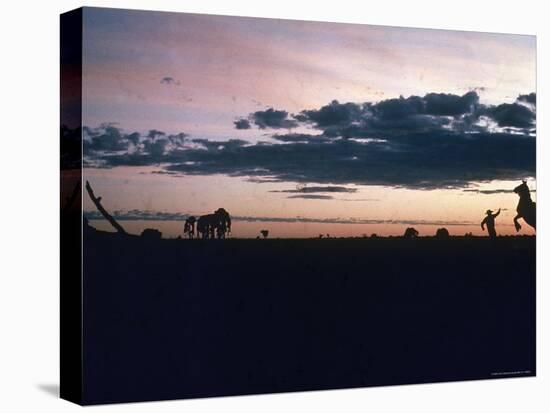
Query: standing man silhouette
[[489, 220]]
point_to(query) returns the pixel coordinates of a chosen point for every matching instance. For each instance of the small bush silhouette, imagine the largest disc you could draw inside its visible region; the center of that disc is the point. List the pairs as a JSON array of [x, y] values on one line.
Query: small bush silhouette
[[151, 233], [410, 233], [442, 233], [264, 233]]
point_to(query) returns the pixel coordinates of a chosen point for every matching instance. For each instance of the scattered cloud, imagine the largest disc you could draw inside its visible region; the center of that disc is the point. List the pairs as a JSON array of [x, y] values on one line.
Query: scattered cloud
[[530, 98], [512, 115], [431, 112], [271, 118], [435, 141], [242, 124], [300, 137], [491, 191], [317, 189], [169, 80], [333, 114], [108, 141], [311, 196]]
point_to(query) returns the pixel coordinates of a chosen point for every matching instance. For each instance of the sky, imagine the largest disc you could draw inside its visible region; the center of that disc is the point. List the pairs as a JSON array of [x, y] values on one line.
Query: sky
[[302, 127]]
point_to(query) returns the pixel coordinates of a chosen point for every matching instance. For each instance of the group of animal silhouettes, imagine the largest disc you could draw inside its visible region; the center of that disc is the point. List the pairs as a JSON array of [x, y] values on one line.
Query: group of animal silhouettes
[[209, 226]]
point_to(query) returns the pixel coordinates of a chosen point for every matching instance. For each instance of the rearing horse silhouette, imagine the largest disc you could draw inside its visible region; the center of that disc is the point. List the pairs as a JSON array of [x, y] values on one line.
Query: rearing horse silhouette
[[527, 209]]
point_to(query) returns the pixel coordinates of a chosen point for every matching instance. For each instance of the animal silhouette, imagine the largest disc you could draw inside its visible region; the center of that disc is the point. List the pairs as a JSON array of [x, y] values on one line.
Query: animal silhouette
[[489, 221], [189, 227], [223, 222], [526, 209], [214, 225], [206, 226], [410, 233]]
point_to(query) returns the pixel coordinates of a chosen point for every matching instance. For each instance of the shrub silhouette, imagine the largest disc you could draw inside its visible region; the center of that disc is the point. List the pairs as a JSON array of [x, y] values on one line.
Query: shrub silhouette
[[442, 233], [151, 233], [410, 233]]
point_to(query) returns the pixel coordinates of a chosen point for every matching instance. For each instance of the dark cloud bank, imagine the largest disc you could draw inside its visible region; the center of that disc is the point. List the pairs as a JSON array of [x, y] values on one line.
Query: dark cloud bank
[[434, 141]]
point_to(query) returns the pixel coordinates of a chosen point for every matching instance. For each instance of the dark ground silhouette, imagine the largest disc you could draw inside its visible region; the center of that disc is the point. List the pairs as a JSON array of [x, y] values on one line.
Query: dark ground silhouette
[[180, 318]]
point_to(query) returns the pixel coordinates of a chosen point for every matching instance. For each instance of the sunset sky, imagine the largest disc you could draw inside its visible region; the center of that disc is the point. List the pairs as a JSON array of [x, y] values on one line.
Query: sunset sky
[[304, 127]]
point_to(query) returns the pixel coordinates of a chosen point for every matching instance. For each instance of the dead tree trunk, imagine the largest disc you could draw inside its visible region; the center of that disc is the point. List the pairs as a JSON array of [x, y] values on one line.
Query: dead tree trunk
[[108, 217]]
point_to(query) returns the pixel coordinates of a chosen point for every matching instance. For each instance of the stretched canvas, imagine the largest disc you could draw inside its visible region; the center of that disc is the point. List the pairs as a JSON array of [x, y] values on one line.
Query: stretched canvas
[[255, 205]]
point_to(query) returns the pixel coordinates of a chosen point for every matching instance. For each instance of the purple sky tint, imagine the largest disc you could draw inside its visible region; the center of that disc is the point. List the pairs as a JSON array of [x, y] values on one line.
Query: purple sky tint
[[198, 74]]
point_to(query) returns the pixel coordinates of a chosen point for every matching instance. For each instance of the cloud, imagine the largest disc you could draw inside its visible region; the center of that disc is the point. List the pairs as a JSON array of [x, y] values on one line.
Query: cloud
[[229, 145], [108, 142], [141, 215], [397, 113], [512, 114], [491, 191], [271, 118], [242, 124], [300, 137], [106, 138], [333, 114], [169, 80], [446, 104], [531, 98], [153, 134], [422, 161], [318, 189], [431, 112], [435, 141], [310, 196]]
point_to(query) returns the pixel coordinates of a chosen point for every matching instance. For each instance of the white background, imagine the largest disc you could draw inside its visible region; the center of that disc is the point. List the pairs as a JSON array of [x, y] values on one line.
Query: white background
[[29, 253]]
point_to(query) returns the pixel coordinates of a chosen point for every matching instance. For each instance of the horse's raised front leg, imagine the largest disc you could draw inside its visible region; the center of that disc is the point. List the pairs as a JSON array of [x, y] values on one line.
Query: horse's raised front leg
[[516, 223]]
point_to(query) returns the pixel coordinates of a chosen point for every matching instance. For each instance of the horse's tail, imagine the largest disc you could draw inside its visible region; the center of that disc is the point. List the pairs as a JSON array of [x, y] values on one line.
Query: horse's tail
[[530, 215], [532, 219]]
